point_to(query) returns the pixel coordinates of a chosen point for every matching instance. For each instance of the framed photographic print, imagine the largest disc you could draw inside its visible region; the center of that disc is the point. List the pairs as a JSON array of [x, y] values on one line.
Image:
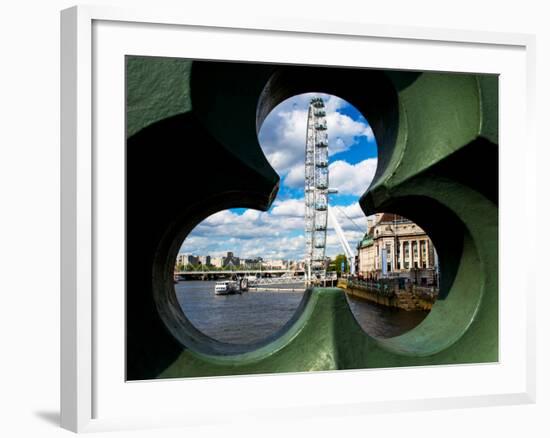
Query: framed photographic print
[[252, 210]]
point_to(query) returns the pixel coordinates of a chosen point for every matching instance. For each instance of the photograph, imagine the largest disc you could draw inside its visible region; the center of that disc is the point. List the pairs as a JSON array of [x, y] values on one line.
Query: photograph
[[251, 219], [288, 218], [270, 220]]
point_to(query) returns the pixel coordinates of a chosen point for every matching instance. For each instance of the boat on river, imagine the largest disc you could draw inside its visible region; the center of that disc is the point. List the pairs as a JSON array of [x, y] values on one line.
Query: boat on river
[[227, 287]]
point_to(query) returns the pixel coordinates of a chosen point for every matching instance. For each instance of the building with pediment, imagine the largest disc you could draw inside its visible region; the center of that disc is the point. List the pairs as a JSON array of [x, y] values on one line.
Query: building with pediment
[[395, 247]]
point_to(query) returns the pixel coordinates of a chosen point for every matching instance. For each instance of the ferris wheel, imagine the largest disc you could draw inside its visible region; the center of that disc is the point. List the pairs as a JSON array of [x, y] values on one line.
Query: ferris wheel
[[316, 189]]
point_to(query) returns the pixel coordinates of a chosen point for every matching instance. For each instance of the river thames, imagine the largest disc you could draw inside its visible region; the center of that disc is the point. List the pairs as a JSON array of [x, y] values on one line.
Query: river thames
[[252, 316]]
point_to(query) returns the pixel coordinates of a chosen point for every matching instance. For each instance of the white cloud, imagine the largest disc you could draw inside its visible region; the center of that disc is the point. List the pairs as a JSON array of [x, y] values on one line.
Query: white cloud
[[348, 179], [282, 135], [353, 179], [279, 233], [219, 218], [252, 215], [332, 103], [295, 176], [350, 218], [289, 207], [282, 138], [343, 132], [275, 234]]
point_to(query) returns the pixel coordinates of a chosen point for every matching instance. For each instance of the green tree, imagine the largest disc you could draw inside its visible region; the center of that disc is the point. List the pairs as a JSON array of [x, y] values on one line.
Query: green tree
[[338, 263]]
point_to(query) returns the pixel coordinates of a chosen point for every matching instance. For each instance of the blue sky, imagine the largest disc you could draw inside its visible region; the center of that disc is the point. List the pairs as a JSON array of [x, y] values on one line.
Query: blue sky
[[279, 232]]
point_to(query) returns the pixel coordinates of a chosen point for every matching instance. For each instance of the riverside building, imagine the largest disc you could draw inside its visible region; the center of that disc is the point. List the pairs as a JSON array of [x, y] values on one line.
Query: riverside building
[[395, 247]]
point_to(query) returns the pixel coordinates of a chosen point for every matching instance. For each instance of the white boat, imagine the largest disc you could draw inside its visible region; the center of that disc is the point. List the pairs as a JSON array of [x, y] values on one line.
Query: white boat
[[226, 287], [250, 280]]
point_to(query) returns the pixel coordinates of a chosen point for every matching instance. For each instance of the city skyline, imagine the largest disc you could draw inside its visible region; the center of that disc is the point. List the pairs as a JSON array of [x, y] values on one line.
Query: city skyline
[[279, 232], [189, 260], [206, 258]]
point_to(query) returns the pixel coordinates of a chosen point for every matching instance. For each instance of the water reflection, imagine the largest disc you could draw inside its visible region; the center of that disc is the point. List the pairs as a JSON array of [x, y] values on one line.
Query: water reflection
[[382, 321], [253, 316]]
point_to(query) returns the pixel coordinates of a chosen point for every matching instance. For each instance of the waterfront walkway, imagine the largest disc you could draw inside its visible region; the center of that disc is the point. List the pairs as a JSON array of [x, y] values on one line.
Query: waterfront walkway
[[391, 293]]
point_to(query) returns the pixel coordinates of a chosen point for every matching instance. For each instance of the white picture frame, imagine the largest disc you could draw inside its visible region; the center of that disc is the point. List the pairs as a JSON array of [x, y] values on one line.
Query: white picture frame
[[93, 397]]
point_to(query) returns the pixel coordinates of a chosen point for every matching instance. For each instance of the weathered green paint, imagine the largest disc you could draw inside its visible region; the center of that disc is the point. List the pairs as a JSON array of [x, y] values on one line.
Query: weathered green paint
[[450, 102], [189, 123], [156, 88], [488, 90]]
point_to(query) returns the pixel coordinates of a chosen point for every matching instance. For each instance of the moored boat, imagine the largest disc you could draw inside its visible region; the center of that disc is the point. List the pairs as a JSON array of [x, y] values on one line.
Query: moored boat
[[226, 287]]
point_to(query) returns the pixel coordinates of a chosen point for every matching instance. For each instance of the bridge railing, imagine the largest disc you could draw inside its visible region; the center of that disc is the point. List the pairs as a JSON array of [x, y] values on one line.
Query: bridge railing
[[240, 272], [275, 280], [391, 288]]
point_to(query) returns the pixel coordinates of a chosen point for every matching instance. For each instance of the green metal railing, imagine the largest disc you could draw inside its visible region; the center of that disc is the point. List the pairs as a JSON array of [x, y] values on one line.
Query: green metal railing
[[429, 128]]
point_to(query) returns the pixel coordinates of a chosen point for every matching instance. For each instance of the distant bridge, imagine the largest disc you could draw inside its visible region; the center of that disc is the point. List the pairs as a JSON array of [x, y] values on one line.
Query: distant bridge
[[329, 279], [263, 278], [241, 273]]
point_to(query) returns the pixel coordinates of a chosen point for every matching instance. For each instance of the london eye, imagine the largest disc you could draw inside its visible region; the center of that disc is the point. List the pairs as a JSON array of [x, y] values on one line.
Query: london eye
[[316, 189]]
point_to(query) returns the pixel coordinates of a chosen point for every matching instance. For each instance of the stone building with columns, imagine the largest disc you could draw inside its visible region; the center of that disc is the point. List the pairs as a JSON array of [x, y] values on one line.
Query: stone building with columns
[[395, 247]]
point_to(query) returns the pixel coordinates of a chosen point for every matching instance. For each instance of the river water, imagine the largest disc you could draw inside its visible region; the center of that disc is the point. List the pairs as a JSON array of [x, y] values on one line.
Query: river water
[[252, 316]]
